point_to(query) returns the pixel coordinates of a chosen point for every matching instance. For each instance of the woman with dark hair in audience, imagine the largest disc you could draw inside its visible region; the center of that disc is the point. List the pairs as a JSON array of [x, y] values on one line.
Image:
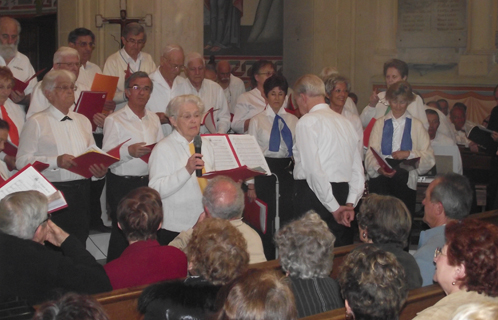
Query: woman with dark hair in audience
[[274, 130], [217, 254], [466, 267], [306, 250], [259, 295], [71, 306], [386, 222], [396, 137], [253, 102], [373, 284], [144, 261]]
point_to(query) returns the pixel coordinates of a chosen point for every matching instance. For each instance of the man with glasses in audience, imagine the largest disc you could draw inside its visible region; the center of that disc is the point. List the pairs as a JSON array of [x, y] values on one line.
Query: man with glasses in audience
[[143, 128], [18, 63], [166, 82], [129, 59], [209, 91], [65, 58]]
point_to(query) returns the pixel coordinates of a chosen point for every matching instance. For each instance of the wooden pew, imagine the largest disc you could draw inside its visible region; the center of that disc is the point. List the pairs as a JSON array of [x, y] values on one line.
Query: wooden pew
[[487, 216], [418, 300]]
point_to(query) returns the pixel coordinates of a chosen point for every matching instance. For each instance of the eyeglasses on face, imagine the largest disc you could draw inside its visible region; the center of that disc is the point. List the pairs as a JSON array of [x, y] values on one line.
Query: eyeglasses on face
[[133, 41], [268, 74], [85, 44], [138, 88], [189, 116], [438, 252], [69, 64], [66, 88]]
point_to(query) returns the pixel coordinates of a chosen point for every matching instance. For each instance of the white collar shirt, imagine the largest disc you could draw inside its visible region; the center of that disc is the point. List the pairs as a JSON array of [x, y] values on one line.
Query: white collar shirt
[[235, 88], [87, 74]]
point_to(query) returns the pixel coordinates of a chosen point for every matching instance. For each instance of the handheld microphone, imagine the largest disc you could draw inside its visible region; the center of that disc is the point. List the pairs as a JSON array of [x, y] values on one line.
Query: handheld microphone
[[197, 146]]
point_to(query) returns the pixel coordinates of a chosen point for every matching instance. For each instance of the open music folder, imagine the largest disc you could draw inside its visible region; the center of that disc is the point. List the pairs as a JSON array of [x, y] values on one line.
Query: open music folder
[[237, 156], [89, 103]]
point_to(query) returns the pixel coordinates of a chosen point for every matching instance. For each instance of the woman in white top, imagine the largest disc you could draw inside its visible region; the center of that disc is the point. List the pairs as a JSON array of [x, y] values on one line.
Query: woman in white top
[[253, 102], [274, 130]]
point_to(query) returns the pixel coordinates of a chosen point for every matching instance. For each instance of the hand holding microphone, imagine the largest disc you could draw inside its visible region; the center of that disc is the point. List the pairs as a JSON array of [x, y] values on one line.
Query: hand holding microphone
[[198, 146]]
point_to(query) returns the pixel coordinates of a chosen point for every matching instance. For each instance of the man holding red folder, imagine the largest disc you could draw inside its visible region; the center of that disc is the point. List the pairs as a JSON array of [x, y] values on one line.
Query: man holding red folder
[[328, 170]]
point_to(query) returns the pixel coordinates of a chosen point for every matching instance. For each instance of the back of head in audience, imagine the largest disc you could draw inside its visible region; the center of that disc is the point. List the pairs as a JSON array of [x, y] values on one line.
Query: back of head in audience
[[140, 214], [327, 72], [217, 251], [384, 219], [21, 213], [373, 284], [259, 295], [223, 198], [454, 193], [476, 311], [71, 306], [306, 247]]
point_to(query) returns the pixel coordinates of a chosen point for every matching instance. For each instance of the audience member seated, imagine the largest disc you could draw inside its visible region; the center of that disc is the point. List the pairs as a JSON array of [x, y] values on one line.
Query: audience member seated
[[217, 254], [173, 163], [386, 222], [224, 199], [259, 295], [462, 126], [447, 198], [71, 306], [144, 261], [373, 284], [466, 267], [253, 102], [396, 137], [476, 311], [28, 269], [396, 70], [444, 107], [433, 104], [306, 253], [442, 144]]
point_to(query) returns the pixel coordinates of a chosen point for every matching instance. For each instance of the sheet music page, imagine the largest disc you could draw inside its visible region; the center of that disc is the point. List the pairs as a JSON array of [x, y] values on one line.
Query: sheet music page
[[248, 151], [29, 179], [223, 155]]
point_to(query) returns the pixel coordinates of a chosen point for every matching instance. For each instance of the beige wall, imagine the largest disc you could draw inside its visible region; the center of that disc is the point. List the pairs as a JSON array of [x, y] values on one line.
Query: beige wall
[[172, 21], [358, 36]]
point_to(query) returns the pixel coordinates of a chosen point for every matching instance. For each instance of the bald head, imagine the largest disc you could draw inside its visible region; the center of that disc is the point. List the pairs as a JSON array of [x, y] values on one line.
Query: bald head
[[223, 198], [223, 71]]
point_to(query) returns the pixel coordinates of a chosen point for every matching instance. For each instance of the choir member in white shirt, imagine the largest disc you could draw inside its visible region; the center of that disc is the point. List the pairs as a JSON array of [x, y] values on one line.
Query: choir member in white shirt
[[56, 136], [396, 70], [83, 41], [253, 102], [337, 88], [4, 133], [232, 86], [328, 170], [274, 130], [396, 137], [167, 83], [17, 62], [209, 91], [129, 59], [173, 164], [65, 58], [143, 128], [10, 112]]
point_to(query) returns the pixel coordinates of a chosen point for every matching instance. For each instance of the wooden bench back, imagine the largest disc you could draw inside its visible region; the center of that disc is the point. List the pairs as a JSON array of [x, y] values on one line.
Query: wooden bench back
[[487, 216]]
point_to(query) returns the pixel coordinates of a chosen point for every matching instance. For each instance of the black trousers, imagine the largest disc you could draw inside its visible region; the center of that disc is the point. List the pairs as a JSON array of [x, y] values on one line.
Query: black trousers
[[74, 218], [305, 200], [96, 187], [117, 188], [265, 190]]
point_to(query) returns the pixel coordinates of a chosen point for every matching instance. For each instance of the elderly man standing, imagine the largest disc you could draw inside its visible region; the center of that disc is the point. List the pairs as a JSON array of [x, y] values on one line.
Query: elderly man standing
[[232, 86], [129, 59], [328, 171], [449, 197], [56, 136], [18, 63], [65, 58], [209, 91], [28, 269], [166, 82], [224, 199], [143, 128]]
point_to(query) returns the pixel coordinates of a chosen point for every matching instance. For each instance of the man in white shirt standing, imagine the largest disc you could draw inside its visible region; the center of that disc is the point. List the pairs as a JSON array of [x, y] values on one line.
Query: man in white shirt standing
[[143, 128], [18, 63], [209, 91], [166, 82], [328, 171], [129, 59], [232, 86]]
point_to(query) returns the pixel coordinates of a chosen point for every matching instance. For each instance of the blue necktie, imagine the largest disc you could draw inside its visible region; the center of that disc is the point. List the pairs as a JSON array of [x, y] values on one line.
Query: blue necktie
[[275, 136], [387, 137]]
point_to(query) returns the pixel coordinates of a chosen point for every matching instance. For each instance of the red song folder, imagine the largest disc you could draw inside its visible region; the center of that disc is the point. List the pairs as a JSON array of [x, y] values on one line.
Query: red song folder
[[89, 103], [20, 85], [147, 156]]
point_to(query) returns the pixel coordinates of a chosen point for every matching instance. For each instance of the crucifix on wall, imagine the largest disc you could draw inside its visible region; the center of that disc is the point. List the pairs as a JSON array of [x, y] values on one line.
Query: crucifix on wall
[[123, 20]]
